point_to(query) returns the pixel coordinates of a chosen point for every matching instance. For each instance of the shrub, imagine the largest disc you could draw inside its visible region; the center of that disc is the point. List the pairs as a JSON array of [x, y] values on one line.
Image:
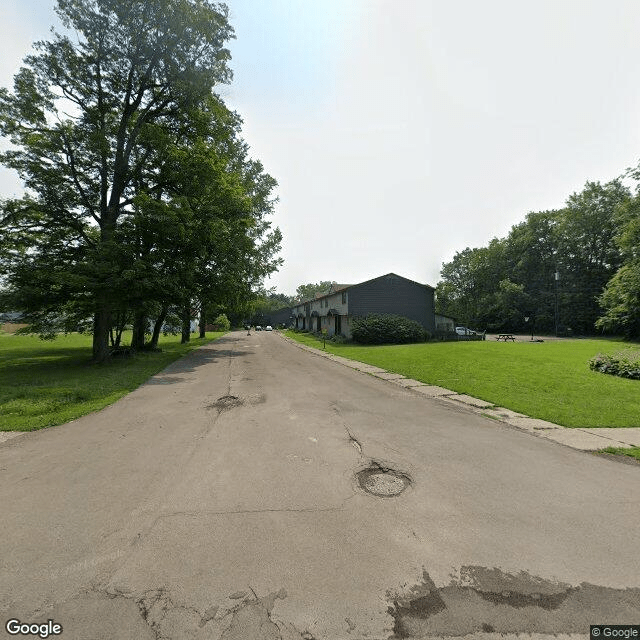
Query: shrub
[[387, 329], [336, 338], [625, 364], [221, 323]]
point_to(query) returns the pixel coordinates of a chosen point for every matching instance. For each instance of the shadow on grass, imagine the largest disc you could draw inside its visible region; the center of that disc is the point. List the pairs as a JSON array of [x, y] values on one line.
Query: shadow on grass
[[17, 357], [46, 384]]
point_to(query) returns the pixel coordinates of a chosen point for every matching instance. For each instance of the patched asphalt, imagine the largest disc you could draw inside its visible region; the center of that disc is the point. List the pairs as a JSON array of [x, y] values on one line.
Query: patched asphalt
[[250, 491]]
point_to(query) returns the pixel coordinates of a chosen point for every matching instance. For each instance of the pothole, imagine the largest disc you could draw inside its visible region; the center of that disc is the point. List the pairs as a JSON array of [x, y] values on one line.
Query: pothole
[[382, 482], [225, 403]]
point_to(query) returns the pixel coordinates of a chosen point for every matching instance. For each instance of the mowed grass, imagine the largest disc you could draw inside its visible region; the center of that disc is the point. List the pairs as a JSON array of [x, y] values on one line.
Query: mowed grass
[[632, 452], [549, 380], [48, 383]]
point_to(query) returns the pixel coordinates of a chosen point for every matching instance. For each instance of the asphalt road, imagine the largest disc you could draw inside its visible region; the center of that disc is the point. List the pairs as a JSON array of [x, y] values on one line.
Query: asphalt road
[[221, 500]]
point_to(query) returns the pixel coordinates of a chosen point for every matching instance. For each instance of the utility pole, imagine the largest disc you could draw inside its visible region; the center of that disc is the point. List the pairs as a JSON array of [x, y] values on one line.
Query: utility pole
[[557, 278]]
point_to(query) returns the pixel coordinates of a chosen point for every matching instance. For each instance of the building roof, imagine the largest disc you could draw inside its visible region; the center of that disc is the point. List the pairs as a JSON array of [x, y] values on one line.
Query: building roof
[[335, 288], [395, 275]]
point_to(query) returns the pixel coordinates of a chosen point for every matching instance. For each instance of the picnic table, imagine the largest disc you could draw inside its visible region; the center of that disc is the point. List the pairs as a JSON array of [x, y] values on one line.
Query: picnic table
[[505, 337]]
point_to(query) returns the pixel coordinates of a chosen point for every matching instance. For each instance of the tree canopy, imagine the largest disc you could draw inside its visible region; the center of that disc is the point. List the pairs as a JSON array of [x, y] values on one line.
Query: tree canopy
[[552, 268], [308, 291], [621, 296], [140, 194]]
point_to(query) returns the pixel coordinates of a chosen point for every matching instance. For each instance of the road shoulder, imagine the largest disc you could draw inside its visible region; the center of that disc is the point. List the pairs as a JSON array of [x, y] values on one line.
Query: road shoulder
[[582, 439]]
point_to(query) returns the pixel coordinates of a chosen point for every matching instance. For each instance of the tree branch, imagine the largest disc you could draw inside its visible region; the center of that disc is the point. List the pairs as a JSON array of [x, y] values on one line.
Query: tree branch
[[74, 173]]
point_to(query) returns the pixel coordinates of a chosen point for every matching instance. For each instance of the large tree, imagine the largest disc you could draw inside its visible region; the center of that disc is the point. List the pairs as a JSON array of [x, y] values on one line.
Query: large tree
[[78, 117], [531, 252], [587, 253], [470, 282], [621, 297]]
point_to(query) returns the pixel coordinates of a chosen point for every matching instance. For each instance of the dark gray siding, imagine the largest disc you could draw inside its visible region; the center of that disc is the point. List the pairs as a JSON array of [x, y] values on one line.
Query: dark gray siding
[[281, 316], [396, 295]]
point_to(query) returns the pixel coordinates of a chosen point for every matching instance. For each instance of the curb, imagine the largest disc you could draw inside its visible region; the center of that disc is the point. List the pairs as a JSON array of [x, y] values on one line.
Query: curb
[[581, 439]]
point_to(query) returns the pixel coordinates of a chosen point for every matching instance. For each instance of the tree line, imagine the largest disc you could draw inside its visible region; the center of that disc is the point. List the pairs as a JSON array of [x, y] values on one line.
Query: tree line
[[574, 270], [267, 301], [141, 200]]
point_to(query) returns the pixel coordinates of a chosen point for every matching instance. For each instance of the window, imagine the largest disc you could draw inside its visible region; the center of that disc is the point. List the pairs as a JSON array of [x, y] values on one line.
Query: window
[[344, 297]]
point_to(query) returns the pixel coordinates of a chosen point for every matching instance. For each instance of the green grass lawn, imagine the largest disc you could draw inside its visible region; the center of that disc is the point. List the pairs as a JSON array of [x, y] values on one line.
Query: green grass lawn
[[633, 452], [48, 383], [549, 380]]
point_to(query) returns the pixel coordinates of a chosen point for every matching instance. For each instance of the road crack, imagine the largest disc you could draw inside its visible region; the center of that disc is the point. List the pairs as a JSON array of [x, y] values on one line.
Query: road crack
[[354, 441], [251, 618]]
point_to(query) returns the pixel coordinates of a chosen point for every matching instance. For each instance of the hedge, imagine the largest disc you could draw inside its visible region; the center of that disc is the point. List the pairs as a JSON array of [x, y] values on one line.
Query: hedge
[[387, 329]]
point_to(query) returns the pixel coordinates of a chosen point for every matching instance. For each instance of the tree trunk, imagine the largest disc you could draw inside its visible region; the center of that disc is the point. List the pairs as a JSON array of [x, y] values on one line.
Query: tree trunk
[[139, 326], [121, 321], [186, 324], [102, 320], [203, 320], [157, 327], [101, 327]]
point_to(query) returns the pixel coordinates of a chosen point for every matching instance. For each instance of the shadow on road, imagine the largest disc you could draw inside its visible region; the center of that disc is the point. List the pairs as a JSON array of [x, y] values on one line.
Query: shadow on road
[[192, 362]]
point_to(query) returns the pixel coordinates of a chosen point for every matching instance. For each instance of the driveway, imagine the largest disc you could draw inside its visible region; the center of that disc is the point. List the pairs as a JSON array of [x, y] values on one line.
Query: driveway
[[221, 500]]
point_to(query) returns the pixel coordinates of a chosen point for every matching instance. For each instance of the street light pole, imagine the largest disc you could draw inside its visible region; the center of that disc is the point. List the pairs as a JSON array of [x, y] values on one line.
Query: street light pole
[[526, 319]]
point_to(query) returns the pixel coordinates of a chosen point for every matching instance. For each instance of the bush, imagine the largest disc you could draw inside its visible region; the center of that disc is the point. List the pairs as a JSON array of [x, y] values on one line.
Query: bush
[[336, 338], [387, 329], [625, 364], [221, 323]]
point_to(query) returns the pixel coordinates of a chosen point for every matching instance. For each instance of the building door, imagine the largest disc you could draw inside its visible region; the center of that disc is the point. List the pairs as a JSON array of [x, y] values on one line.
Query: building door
[[337, 324], [319, 329]]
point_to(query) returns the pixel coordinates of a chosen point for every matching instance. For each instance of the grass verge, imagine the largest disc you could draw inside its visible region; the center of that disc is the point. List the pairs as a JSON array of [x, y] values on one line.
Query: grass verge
[[47, 383], [633, 452], [548, 380]]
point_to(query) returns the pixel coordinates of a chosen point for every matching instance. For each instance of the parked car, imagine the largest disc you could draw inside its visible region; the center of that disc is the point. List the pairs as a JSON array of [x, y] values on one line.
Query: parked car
[[268, 328], [463, 331], [258, 327]]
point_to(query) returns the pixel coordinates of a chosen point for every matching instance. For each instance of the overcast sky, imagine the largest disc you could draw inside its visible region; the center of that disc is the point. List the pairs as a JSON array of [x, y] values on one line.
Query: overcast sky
[[402, 131]]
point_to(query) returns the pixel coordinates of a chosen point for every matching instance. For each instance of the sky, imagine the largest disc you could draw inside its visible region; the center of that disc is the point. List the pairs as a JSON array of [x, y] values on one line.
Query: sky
[[403, 131]]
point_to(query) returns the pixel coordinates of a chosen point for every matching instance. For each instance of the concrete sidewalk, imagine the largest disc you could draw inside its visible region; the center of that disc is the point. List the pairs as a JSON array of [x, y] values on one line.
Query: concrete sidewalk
[[587, 439]]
